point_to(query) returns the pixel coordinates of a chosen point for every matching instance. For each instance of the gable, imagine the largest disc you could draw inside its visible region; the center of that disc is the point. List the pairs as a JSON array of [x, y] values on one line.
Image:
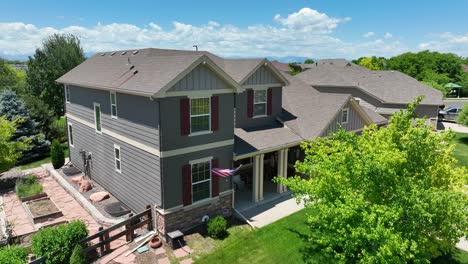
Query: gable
[[200, 78], [263, 75], [355, 121]]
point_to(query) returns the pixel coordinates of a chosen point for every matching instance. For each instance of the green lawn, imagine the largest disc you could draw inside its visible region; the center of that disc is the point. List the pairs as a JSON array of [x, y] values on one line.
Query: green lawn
[[280, 242], [38, 163], [461, 149]]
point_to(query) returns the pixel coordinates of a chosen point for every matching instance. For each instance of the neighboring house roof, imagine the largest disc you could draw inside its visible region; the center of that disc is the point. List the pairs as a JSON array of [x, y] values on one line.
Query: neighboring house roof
[[387, 86], [283, 67], [374, 116], [262, 139], [149, 71]]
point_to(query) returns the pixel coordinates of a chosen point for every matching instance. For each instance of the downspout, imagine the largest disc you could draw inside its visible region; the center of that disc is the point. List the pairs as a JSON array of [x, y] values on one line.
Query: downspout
[[160, 166]]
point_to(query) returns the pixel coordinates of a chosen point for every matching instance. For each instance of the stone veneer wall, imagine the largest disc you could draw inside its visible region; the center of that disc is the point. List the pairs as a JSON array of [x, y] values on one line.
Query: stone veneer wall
[[186, 218]]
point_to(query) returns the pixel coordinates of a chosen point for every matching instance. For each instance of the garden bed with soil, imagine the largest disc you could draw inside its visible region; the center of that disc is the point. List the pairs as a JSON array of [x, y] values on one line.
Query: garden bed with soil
[[42, 210]]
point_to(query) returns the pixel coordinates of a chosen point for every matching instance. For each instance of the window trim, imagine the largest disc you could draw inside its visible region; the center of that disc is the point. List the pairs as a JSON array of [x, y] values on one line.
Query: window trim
[[100, 118], [266, 103], [198, 161], [203, 132], [347, 116], [67, 94], [70, 135], [119, 170], [111, 104]]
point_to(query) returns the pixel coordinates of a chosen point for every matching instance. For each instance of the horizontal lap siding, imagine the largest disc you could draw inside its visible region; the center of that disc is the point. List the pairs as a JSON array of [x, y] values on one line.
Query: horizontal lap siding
[[262, 76], [355, 122], [139, 183], [200, 78]]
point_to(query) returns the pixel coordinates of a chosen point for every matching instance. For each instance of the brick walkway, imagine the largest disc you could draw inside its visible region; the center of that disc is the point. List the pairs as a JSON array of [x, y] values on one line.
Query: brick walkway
[[71, 209]]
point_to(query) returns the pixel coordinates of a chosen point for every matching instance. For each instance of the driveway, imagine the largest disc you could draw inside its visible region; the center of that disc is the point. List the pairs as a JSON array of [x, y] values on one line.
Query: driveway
[[454, 126]]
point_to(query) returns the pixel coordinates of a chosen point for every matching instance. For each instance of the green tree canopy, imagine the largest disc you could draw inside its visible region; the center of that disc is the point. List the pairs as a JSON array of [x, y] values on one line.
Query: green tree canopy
[[58, 55], [11, 78], [463, 116], [390, 195], [10, 151], [308, 61], [372, 63]]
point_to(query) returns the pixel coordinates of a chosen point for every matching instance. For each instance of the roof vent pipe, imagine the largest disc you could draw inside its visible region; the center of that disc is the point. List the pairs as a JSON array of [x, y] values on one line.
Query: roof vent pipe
[[196, 47]]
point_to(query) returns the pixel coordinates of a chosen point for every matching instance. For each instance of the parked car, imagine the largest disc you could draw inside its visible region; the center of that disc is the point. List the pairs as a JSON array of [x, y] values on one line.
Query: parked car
[[449, 114]]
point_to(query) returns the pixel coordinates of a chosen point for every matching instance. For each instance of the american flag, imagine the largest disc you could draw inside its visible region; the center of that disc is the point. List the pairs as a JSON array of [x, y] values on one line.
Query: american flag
[[225, 172]]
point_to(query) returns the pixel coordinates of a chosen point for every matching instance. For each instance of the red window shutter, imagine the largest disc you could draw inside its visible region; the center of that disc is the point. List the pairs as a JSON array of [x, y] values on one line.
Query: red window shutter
[[250, 103], [214, 112], [184, 116], [269, 101], [187, 184], [214, 179]]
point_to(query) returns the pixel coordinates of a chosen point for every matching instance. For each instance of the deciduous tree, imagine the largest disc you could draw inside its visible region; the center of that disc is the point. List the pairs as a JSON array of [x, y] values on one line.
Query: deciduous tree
[[390, 195], [10, 151]]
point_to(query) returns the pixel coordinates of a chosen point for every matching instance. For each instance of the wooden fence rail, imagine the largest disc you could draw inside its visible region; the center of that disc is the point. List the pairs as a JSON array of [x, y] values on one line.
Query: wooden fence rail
[[105, 238]]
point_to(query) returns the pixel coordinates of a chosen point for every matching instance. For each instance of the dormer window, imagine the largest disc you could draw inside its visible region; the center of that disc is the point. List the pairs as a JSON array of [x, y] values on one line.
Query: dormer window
[[260, 102]]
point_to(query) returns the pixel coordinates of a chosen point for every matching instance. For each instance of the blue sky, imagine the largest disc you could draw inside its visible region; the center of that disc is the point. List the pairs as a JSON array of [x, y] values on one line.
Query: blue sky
[[314, 28]]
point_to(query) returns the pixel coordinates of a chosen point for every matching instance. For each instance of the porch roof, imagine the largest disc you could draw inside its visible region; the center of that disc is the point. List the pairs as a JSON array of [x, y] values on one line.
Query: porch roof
[[263, 139]]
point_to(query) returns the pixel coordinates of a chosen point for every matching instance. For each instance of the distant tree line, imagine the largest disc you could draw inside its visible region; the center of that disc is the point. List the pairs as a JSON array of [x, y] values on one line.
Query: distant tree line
[[432, 68]]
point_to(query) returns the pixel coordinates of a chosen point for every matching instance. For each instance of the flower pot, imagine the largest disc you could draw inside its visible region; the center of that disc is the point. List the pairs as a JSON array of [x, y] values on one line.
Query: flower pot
[[155, 242]]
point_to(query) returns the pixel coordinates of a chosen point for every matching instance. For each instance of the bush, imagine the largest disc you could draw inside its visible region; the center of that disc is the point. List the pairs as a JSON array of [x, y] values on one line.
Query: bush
[[57, 155], [217, 227], [13, 255], [58, 130], [78, 256], [463, 116], [61, 239], [28, 186]]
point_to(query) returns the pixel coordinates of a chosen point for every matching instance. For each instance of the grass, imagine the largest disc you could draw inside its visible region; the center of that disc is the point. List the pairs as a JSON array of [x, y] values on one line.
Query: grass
[[45, 160], [28, 187], [283, 241], [461, 148]]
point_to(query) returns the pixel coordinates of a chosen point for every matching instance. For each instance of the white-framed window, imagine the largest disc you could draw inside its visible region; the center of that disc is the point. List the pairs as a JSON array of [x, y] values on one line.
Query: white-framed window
[[113, 104], [97, 118], [344, 116], [201, 179], [260, 103], [70, 134], [117, 157], [67, 94], [200, 115]]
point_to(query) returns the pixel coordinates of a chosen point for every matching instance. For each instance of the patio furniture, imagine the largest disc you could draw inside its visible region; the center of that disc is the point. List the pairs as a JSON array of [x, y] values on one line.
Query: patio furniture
[[239, 184], [175, 239]]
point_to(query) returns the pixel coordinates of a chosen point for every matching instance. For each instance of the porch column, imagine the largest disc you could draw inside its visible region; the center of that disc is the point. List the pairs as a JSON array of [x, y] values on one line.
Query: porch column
[[282, 168], [255, 176], [260, 178], [285, 167]]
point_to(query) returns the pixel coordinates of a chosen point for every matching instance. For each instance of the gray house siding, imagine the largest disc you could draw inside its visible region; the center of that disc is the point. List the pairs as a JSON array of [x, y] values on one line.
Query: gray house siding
[[262, 76], [368, 101], [200, 78], [172, 171], [171, 137], [137, 185], [137, 116], [243, 121], [355, 121]]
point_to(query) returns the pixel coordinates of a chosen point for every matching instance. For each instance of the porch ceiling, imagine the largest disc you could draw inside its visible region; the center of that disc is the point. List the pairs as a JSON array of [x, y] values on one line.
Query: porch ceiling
[[262, 139]]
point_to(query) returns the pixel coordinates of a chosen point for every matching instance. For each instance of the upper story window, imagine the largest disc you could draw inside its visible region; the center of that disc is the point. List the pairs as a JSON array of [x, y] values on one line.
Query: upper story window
[[344, 115], [113, 103], [97, 118], [200, 115], [201, 180], [117, 158], [70, 134], [67, 93], [260, 103]]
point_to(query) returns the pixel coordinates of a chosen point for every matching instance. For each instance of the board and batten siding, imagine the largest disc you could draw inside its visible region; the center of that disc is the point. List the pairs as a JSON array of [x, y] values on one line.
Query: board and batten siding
[[200, 78], [262, 75], [137, 116], [355, 121], [138, 184]]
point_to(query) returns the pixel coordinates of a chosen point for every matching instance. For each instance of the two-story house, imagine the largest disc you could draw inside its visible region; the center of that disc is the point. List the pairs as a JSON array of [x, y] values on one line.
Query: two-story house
[[150, 125]]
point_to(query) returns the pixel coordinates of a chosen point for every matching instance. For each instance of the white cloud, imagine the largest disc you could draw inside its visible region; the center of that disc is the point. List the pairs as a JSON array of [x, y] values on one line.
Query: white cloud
[[310, 20], [388, 35], [448, 42], [369, 34]]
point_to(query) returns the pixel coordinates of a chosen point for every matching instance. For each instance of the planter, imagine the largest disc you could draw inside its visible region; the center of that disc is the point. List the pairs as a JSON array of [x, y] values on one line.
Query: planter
[[155, 242], [33, 197]]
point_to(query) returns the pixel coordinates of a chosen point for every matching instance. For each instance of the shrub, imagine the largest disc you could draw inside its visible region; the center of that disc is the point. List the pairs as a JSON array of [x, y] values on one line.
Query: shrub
[[13, 255], [463, 116], [217, 227], [57, 155], [58, 130], [28, 186], [61, 239], [78, 256]]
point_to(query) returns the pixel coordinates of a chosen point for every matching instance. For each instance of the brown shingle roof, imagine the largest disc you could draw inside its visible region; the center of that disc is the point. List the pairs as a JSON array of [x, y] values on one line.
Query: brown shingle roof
[[283, 67]]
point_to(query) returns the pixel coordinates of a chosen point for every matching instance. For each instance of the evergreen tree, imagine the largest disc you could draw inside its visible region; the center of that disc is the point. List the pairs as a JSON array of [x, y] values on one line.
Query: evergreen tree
[[15, 110]]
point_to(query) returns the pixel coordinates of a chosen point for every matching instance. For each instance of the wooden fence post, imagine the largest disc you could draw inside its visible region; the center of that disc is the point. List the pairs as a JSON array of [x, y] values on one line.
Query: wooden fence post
[[129, 229], [101, 238], [150, 217], [107, 245]]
